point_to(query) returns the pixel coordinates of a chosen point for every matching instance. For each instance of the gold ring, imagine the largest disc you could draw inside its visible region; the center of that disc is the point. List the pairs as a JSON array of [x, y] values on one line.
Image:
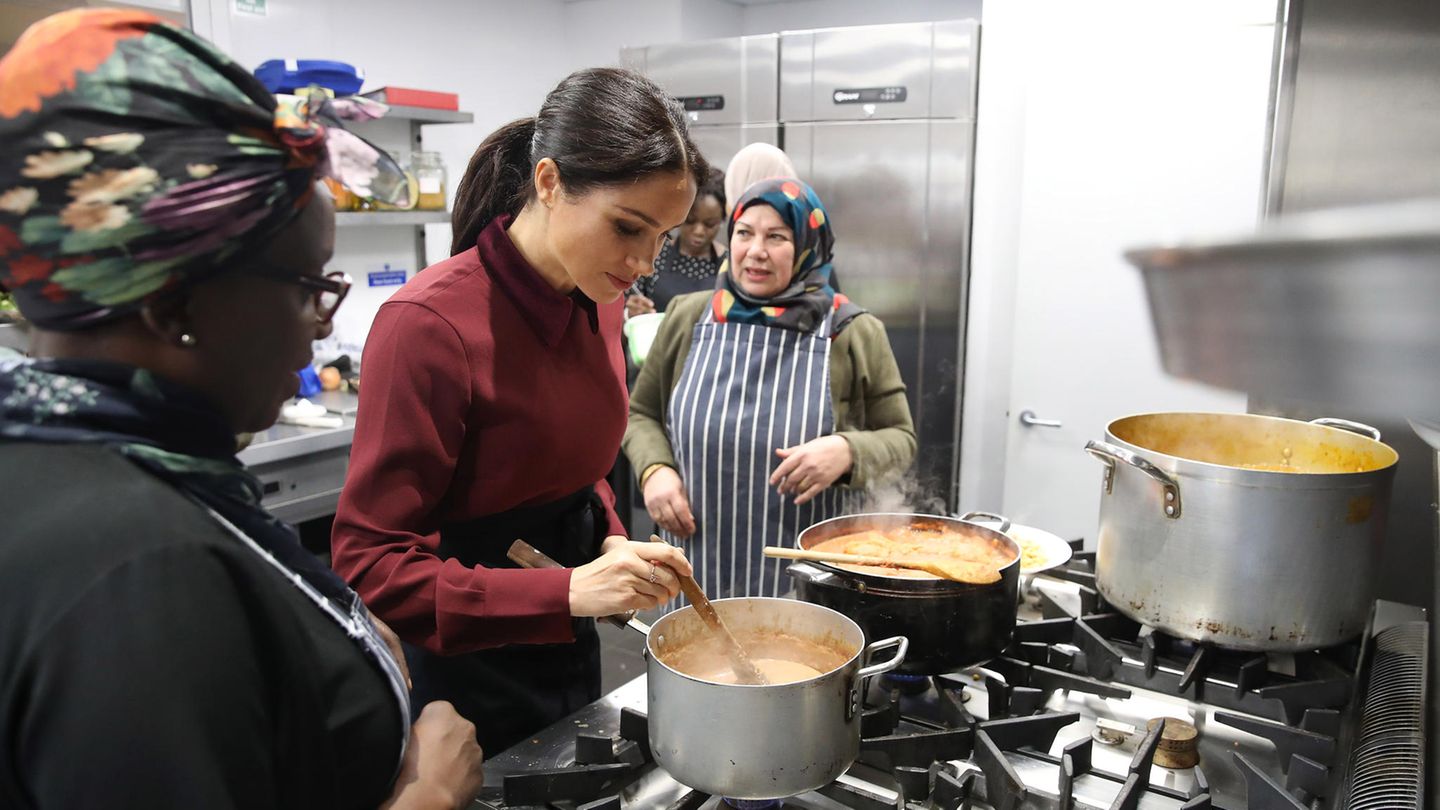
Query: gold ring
[[652, 573]]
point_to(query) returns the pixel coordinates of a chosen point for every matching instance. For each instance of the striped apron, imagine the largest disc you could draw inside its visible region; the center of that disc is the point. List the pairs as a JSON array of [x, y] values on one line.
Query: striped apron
[[747, 390]]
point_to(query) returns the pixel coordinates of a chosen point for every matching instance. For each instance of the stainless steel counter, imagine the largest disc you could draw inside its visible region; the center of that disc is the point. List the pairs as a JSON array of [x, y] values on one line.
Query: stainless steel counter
[[302, 469], [283, 442], [13, 337]]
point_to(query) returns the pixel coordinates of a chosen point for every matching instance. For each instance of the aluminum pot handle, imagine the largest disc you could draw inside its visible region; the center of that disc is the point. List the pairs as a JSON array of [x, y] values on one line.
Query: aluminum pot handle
[[976, 517], [1110, 455], [852, 705], [884, 666], [1345, 424]]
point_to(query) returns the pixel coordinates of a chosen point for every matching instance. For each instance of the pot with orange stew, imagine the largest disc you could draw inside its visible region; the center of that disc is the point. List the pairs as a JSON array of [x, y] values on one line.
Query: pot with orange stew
[[950, 624], [795, 734], [1245, 531]]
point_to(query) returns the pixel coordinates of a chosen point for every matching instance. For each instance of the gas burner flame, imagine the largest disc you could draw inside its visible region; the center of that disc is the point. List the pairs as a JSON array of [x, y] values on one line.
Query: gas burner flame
[[907, 684]]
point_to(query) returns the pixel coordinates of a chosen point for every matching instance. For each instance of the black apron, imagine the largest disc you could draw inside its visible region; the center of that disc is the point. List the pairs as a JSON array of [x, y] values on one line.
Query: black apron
[[511, 692]]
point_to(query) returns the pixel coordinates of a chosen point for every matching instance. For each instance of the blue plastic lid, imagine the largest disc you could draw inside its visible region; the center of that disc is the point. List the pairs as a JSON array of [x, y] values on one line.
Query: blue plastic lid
[[289, 75], [309, 382]]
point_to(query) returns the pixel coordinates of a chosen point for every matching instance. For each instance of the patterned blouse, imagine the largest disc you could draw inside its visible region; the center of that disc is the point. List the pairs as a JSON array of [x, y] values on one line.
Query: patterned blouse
[[678, 274]]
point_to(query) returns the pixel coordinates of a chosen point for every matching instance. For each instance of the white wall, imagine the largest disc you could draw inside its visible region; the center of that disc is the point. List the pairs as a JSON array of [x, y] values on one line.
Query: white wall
[[710, 19], [789, 16], [1098, 130], [500, 57], [596, 30]]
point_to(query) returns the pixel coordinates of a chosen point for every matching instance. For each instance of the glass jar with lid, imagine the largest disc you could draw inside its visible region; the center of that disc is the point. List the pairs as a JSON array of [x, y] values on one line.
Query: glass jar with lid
[[429, 171]]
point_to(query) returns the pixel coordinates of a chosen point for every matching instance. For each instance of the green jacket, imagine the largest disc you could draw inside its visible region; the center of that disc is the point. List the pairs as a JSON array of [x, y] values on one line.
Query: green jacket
[[871, 412]]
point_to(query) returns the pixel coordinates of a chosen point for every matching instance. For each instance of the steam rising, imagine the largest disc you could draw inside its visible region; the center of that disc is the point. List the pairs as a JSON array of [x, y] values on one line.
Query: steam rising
[[901, 494]]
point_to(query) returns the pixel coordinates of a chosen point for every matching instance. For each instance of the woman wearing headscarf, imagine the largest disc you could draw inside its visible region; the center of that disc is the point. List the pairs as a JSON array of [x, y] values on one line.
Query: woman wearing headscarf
[[753, 163], [761, 403], [165, 642]]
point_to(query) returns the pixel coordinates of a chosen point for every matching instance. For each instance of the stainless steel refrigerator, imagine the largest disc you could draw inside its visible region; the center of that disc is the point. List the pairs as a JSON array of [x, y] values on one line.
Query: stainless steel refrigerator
[[881, 121], [729, 88]]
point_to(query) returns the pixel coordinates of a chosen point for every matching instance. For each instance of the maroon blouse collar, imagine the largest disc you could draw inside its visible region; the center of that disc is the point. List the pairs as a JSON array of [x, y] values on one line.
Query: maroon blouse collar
[[547, 311]]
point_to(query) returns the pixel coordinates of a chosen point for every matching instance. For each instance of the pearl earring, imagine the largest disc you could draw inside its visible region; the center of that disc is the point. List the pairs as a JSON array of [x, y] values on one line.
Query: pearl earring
[[188, 340]]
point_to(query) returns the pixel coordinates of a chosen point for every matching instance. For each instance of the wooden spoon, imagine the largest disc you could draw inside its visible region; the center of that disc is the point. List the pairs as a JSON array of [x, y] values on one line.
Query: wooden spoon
[[970, 573], [745, 669]]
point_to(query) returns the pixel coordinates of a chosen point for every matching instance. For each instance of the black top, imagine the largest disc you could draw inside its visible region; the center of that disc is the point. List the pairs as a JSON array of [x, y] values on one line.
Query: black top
[[677, 274], [149, 659]]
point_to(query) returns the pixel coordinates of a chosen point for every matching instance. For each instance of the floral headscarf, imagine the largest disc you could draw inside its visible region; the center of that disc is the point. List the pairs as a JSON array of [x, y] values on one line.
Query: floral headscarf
[[803, 305], [138, 157]]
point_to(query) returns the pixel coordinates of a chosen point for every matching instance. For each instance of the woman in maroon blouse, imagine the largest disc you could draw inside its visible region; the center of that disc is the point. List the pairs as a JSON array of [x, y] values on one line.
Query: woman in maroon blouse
[[494, 402]]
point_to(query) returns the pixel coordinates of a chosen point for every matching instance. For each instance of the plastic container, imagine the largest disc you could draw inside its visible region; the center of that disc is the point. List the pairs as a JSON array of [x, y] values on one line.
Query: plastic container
[[289, 75], [640, 332]]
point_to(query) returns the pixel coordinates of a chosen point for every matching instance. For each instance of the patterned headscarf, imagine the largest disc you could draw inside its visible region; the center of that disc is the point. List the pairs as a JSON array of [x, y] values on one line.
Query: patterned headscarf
[[137, 157], [803, 305]]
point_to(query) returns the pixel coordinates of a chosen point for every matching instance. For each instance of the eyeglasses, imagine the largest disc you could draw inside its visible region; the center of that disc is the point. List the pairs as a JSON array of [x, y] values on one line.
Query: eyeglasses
[[327, 291]]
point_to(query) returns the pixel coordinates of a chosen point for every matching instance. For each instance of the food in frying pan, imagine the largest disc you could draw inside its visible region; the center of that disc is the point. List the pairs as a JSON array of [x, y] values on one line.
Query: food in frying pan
[[930, 542]]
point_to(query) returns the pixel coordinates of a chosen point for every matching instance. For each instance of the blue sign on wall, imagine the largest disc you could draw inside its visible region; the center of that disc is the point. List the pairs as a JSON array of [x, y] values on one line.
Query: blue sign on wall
[[387, 277]]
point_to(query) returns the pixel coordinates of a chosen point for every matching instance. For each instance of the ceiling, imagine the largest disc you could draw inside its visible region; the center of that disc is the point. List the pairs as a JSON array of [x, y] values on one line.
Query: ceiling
[[731, 2]]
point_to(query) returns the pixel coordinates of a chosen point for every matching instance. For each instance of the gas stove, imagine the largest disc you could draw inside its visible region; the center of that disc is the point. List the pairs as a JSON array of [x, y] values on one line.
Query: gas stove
[[1086, 709]]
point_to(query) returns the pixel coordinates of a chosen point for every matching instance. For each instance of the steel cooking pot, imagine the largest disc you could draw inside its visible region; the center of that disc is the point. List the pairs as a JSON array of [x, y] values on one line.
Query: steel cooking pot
[[746, 741], [1245, 531], [950, 625]]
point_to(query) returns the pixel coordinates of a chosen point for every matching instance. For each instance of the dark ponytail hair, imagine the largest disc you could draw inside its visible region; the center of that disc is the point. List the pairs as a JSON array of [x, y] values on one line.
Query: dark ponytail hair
[[601, 126]]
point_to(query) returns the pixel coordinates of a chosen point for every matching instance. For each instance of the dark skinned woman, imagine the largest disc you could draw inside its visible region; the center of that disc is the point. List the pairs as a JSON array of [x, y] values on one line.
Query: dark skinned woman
[[164, 642]]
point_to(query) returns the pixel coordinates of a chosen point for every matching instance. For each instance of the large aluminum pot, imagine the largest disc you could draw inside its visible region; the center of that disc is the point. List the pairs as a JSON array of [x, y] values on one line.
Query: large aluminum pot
[[950, 625], [1245, 531], [759, 742]]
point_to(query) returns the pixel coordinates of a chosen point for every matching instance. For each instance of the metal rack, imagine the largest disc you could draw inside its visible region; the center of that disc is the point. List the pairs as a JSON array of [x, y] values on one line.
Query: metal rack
[[416, 118], [346, 219]]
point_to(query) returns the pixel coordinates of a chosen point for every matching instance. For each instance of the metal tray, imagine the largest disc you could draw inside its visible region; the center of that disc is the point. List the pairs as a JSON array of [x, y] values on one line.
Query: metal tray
[[1338, 307]]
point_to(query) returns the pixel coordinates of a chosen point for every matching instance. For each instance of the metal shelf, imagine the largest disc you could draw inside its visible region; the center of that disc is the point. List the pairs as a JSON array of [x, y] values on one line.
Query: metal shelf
[[425, 115], [354, 218], [412, 120]]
